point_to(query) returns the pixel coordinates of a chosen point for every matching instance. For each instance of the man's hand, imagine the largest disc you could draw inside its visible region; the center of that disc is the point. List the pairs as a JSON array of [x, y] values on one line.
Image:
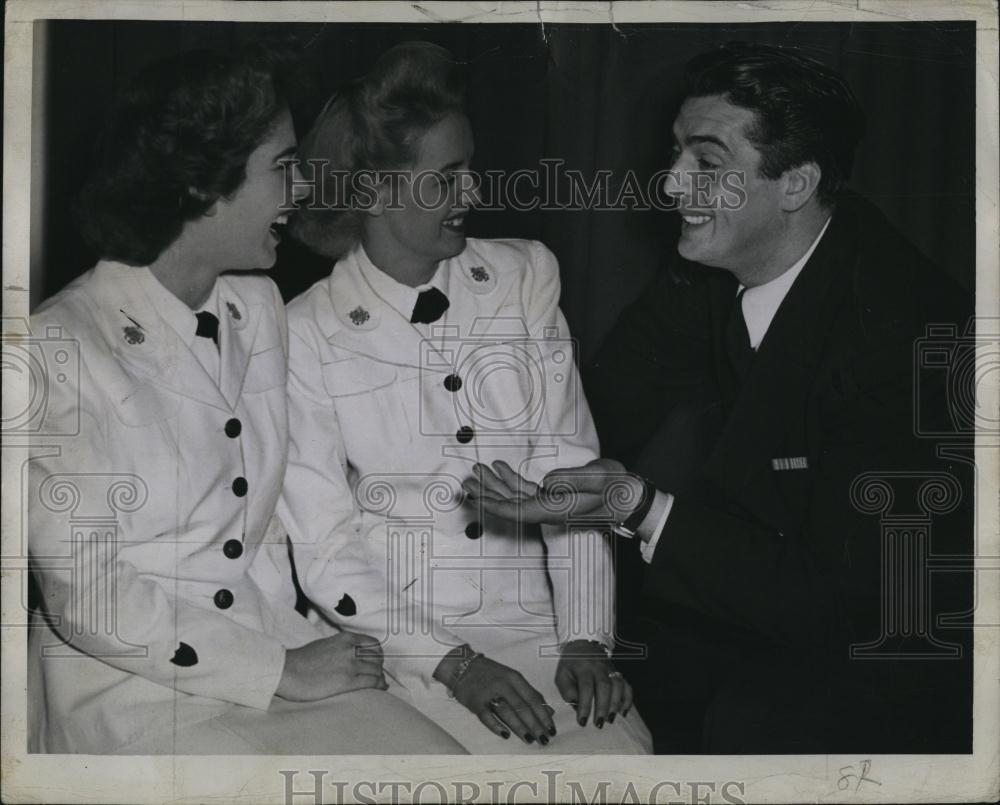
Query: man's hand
[[587, 679], [500, 697], [602, 489], [331, 665]]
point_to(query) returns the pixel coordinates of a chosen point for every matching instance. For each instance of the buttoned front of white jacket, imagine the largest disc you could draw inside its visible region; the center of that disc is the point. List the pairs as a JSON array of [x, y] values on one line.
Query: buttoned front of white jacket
[[151, 508], [387, 419]]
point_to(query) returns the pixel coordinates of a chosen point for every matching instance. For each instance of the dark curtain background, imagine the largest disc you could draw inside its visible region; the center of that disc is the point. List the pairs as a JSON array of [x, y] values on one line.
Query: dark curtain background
[[594, 96]]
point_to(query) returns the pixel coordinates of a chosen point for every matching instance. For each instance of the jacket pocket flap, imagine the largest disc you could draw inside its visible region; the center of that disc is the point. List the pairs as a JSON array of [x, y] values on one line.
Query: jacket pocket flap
[[352, 376], [144, 404]]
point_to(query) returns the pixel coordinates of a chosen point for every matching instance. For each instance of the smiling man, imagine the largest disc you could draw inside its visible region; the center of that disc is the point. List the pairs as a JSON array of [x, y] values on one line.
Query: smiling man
[[756, 390]]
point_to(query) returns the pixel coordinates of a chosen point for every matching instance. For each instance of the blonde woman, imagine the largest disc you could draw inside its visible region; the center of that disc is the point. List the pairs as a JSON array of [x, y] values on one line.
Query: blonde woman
[[423, 353]]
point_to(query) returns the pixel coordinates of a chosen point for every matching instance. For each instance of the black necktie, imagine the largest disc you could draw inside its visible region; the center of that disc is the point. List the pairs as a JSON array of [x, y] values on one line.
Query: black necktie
[[738, 347], [431, 305], [208, 326]]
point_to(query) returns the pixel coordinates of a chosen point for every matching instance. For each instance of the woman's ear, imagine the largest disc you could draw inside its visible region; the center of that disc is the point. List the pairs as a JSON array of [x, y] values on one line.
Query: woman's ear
[[380, 200], [370, 192], [800, 185], [201, 195]]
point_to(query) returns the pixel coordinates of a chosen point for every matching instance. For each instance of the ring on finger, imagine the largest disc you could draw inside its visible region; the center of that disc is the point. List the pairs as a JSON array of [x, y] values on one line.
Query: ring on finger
[[615, 675], [494, 703]]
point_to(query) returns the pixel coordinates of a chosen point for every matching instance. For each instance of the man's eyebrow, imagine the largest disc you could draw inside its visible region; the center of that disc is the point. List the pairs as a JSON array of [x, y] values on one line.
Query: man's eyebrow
[[697, 139], [288, 152]]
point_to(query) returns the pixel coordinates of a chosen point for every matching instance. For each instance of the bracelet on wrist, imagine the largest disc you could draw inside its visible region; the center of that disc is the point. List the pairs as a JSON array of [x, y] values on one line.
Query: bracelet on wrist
[[603, 647], [469, 657]]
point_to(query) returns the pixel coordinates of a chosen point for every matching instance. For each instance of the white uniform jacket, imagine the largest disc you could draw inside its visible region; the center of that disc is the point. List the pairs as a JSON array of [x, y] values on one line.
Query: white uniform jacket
[[151, 508], [388, 417]]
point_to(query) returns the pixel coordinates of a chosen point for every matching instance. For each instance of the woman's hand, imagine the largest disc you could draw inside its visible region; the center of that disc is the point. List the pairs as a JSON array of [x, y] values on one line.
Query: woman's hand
[[601, 488], [331, 665], [587, 678], [500, 697]]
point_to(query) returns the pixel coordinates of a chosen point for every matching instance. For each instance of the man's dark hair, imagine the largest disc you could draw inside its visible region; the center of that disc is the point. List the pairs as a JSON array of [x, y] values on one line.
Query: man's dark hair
[[177, 141], [804, 111]]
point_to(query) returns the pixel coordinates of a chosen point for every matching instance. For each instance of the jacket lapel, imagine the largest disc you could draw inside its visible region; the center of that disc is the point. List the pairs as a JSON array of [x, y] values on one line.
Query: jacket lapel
[[238, 326], [144, 344], [190, 379], [365, 325], [773, 396]]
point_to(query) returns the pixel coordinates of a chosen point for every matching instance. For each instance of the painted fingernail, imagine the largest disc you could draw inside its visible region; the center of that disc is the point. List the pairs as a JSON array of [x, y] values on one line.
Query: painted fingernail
[[505, 735], [552, 731], [599, 722], [625, 714], [529, 739], [611, 718], [582, 722], [543, 740]]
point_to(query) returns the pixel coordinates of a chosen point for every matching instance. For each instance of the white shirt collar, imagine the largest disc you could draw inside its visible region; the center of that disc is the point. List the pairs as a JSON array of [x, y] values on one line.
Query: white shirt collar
[[400, 297], [211, 304], [178, 315], [761, 303]]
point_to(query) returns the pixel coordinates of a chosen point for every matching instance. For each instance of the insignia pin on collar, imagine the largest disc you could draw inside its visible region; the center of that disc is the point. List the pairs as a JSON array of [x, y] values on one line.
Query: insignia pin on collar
[[133, 333], [478, 279], [359, 316]]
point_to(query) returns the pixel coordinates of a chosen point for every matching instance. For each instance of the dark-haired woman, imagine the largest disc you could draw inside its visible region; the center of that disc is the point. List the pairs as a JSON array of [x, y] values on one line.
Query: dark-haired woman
[[165, 578], [422, 354]]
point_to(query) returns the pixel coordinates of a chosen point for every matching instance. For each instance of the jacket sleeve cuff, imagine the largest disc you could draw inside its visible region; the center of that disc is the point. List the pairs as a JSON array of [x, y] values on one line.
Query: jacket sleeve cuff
[[582, 594], [413, 663], [253, 684]]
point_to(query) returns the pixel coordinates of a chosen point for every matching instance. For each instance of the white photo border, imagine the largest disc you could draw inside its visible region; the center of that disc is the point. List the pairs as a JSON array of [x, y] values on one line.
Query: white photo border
[[257, 779]]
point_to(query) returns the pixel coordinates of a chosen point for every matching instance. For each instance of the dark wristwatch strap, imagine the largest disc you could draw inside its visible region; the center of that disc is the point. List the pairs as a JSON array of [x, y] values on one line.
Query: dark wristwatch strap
[[631, 524]]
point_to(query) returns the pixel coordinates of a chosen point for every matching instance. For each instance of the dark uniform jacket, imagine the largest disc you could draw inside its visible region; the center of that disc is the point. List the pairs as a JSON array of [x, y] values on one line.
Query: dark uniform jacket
[[790, 486]]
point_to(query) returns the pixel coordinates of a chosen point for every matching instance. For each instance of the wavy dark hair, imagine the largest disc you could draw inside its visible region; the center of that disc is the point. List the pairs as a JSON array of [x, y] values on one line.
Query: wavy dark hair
[[804, 111], [177, 140], [374, 123]]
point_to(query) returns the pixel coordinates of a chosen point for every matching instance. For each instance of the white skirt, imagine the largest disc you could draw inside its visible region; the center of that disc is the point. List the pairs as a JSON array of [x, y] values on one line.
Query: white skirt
[[364, 722]]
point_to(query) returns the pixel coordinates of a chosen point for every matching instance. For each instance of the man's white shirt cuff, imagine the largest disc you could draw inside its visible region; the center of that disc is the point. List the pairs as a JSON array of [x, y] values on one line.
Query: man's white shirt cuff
[[649, 548]]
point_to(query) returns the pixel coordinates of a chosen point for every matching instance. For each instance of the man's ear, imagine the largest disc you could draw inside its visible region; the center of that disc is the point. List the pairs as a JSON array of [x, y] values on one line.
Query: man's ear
[[800, 185]]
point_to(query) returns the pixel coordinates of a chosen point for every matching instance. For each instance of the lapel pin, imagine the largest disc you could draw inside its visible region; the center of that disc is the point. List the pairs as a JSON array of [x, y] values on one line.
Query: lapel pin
[[479, 274], [234, 311], [359, 316], [133, 335]]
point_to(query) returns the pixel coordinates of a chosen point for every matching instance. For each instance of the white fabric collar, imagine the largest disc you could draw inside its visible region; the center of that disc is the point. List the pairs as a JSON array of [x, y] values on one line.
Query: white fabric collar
[[400, 297], [761, 303], [173, 311]]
